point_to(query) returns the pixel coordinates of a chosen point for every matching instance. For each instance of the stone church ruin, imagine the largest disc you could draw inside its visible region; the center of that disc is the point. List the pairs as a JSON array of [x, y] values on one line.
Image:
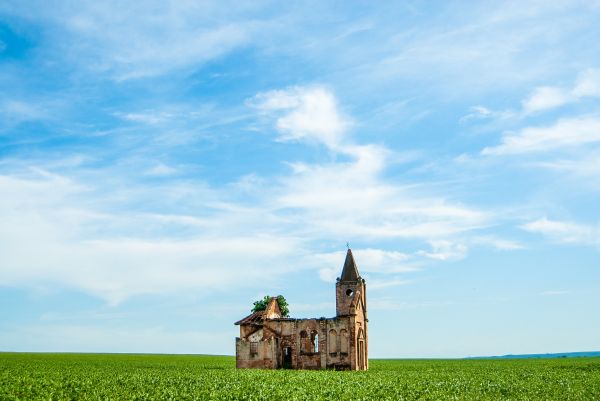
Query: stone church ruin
[[270, 341]]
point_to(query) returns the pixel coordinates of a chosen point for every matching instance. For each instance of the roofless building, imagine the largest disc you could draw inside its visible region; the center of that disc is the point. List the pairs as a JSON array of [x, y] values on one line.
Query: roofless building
[[270, 341]]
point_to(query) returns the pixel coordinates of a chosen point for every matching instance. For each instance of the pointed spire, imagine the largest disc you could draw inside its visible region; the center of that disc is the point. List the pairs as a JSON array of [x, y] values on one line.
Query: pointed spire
[[350, 271]]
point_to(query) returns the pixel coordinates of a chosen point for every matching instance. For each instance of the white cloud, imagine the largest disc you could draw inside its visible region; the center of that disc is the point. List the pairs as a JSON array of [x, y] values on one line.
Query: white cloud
[[545, 97], [588, 165], [113, 239], [110, 255], [588, 84], [565, 232], [127, 40], [497, 243], [16, 111], [483, 113], [305, 113], [550, 97], [371, 261], [445, 250], [503, 46], [375, 284], [80, 247], [161, 170], [567, 132], [148, 118], [349, 199]]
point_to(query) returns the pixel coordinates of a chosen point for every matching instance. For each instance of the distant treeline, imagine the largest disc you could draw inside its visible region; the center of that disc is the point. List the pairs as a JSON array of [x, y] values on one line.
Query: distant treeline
[[558, 355]]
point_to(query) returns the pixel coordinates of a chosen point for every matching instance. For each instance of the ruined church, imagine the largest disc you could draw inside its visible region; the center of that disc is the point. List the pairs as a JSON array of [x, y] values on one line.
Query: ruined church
[[270, 341]]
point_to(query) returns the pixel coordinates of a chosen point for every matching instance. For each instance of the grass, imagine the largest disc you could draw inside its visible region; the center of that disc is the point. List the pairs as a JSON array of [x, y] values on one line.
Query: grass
[[198, 377]]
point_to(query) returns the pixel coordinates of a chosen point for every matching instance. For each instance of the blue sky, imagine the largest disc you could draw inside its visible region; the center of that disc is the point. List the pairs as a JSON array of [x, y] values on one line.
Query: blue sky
[[165, 164]]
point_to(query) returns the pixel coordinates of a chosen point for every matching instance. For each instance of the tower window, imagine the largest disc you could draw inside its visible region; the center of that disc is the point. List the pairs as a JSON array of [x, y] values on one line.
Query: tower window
[[349, 292]]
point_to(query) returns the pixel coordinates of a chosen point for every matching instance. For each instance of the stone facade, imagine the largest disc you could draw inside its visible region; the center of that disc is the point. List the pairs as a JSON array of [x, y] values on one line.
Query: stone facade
[[270, 341]]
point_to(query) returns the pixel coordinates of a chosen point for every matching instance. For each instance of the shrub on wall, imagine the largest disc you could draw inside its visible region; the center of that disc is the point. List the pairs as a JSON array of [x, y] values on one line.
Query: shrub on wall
[[262, 304]]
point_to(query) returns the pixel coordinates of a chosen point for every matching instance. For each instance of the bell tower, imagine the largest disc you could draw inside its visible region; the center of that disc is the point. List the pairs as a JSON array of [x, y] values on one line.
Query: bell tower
[[350, 290]]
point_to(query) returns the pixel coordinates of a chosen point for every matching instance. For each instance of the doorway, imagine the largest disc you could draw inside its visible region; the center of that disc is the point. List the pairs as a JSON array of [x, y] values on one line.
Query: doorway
[[287, 358]]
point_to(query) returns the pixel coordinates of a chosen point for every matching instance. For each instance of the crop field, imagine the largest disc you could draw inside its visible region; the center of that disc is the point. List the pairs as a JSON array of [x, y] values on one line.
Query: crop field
[[188, 377]]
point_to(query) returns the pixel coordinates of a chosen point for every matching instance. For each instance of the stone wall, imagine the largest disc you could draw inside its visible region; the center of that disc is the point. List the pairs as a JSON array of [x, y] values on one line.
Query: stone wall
[[263, 356], [332, 349]]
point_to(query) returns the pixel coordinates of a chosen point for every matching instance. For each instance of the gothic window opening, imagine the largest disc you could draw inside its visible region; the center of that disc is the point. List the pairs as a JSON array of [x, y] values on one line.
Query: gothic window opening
[[332, 342], [344, 339], [314, 337], [304, 342]]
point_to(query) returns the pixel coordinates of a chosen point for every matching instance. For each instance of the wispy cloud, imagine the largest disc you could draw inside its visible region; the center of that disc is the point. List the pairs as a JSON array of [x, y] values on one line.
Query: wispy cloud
[[553, 293], [497, 44], [445, 250], [542, 99], [497, 243], [587, 84], [565, 232], [148, 118], [586, 166], [484, 113], [566, 132], [549, 97], [375, 284], [81, 247], [185, 234], [349, 197], [20, 110], [545, 97], [377, 261], [161, 170], [177, 151], [387, 304], [127, 41]]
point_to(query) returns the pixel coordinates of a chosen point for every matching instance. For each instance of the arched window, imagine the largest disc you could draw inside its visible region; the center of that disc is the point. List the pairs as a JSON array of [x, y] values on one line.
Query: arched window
[[332, 342], [304, 342], [344, 341], [314, 339]]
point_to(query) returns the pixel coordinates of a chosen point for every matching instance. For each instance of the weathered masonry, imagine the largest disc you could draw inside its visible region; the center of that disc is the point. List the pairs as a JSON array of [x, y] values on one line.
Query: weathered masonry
[[270, 341]]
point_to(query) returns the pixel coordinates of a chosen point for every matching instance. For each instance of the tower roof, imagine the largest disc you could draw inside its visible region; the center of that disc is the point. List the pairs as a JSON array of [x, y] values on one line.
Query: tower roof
[[350, 270]]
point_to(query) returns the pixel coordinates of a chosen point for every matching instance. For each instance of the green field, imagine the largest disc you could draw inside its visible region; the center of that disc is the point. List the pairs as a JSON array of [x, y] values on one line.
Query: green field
[[177, 377]]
